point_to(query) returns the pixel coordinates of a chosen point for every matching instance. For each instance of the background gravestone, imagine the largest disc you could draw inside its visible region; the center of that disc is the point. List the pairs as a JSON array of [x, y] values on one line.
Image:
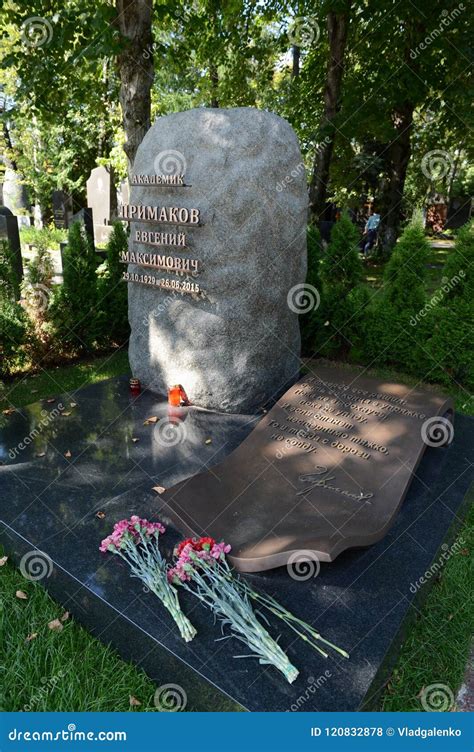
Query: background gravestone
[[102, 199], [123, 194], [62, 209], [15, 196], [236, 343], [84, 216], [9, 234]]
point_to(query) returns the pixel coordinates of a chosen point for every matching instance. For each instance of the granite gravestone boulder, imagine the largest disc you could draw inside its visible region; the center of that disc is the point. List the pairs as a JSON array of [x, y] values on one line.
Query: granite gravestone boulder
[[218, 212]]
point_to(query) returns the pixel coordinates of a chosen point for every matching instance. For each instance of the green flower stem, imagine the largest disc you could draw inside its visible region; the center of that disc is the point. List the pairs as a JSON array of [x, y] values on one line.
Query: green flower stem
[[278, 610], [147, 564], [233, 608], [171, 603]]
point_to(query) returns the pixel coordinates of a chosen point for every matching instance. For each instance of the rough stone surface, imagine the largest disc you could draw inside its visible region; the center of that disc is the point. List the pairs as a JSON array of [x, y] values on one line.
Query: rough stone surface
[[237, 345]]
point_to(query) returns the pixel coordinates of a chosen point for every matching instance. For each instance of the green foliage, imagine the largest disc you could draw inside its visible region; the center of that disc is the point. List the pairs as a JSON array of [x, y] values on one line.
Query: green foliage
[[406, 270], [427, 336], [394, 329], [459, 268], [449, 347], [310, 322], [46, 238], [13, 336], [36, 291], [451, 316], [62, 95], [341, 273], [342, 267], [112, 317], [13, 321], [9, 283], [40, 270], [74, 307]]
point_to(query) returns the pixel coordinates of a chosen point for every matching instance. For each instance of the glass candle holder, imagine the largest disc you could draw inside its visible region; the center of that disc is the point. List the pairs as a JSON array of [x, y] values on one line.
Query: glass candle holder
[[177, 397], [135, 386]]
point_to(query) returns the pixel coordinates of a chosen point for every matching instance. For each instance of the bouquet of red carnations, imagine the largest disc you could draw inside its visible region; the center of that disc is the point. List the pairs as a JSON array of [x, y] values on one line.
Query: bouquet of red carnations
[[202, 569]]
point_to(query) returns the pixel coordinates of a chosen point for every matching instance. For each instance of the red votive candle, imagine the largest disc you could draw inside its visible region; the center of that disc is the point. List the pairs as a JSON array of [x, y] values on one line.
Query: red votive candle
[[177, 396], [135, 386]]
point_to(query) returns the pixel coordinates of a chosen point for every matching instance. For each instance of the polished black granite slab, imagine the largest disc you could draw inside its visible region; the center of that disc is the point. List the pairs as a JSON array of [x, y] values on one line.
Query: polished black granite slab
[[362, 601]]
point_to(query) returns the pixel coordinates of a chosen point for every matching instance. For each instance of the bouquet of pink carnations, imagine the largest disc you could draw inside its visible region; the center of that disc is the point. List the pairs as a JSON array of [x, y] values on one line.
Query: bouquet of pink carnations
[[136, 542]]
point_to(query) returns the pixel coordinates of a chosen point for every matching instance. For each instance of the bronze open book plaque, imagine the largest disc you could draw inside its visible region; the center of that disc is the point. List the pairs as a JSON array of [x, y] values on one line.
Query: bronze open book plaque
[[325, 470]]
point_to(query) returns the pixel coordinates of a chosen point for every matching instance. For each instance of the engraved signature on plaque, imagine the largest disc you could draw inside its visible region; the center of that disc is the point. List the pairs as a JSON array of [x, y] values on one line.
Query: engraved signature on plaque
[[320, 479]]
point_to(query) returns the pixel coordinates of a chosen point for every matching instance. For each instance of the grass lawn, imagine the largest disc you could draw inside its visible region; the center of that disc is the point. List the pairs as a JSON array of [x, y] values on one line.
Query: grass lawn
[[49, 383], [69, 670], [437, 645], [58, 670]]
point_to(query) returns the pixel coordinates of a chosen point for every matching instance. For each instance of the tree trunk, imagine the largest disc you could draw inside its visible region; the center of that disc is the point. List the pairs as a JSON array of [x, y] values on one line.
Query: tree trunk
[[295, 68], [400, 151], [214, 76], [136, 70], [452, 176], [400, 146], [7, 158], [337, 25]]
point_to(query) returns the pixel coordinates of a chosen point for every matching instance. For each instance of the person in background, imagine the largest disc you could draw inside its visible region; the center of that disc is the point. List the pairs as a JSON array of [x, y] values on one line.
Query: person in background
[[371, 230]]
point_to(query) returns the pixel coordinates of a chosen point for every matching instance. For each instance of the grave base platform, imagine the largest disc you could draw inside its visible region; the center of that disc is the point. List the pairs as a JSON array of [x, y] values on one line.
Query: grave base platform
[[363, 601]]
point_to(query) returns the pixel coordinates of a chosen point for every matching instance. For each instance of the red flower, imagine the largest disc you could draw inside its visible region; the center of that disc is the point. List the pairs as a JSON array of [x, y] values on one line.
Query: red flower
[[206, 543], [184, 543], [198, 544]]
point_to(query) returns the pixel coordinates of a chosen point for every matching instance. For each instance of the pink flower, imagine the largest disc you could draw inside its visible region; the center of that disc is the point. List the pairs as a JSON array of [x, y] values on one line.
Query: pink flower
[[219, 550], [133, 527]]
